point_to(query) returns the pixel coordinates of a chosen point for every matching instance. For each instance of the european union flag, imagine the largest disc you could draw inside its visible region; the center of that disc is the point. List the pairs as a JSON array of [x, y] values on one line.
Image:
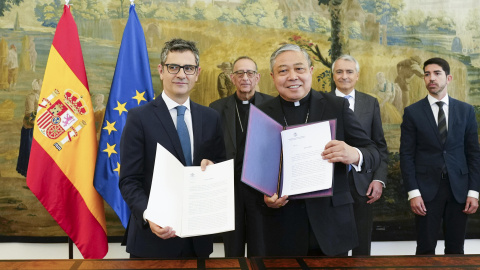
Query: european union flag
[[131, 87]]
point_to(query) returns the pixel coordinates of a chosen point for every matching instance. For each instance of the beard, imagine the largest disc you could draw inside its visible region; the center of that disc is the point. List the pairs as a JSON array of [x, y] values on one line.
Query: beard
[[437, 89]]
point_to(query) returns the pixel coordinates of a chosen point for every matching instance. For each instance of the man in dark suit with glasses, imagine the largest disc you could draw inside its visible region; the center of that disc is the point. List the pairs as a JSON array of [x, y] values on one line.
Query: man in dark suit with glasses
[[191, 132]]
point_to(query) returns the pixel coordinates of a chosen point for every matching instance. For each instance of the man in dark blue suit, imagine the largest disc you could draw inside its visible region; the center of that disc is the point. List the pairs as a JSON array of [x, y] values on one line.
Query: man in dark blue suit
[[439, 159], [366, 188], [156, 122], [234, 111], [316, 226]]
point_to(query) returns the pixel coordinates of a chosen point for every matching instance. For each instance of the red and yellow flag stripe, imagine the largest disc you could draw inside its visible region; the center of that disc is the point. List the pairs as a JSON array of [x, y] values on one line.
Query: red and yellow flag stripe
[[61, 169]]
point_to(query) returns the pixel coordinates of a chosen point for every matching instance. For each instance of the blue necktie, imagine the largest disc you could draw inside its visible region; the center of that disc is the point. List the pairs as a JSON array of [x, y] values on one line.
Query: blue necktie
[[349, 104], [347, 97], [182, 131]]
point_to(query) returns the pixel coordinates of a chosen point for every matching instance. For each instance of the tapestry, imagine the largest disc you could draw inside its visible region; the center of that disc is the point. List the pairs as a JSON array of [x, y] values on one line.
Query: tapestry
[[390, 38]]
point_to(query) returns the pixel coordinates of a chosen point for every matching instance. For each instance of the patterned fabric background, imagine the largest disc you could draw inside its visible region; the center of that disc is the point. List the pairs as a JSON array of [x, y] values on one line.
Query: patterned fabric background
[[390, 39]]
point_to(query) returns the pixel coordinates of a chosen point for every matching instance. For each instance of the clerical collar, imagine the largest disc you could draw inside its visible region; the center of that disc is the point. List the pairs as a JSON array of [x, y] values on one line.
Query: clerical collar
[[300, 102], [244, 102]]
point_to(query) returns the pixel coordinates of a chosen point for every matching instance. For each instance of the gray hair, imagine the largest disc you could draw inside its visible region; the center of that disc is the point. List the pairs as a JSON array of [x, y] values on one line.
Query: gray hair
[[347, 57], [179, 45], [245, 57], [285, 48]]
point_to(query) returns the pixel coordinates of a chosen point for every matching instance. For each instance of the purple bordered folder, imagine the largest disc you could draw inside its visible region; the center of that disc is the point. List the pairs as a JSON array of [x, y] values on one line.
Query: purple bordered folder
[[262, 163]]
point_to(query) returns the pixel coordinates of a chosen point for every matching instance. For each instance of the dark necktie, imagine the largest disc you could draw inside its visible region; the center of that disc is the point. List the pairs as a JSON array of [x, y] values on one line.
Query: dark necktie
[[182, 131], [442, 122]]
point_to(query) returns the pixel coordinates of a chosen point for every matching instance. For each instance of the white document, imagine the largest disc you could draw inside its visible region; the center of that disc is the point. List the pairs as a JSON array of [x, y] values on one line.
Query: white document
[[190, 201], [304, 170]]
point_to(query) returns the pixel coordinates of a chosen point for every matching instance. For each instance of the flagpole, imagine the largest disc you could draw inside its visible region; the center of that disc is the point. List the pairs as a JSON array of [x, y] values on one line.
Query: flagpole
[[70, 248], [70, 243]]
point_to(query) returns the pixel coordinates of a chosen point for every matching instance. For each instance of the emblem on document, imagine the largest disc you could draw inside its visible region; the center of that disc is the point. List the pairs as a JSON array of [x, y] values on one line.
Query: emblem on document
[[59, 120]]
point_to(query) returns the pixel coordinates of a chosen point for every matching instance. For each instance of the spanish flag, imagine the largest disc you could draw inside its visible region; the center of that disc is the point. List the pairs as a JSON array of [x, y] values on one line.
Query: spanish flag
[[62, 159]]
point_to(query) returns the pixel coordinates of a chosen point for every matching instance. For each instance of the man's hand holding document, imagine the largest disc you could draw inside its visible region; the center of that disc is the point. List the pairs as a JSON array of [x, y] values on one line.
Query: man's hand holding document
[[287, 161], [191, 201]]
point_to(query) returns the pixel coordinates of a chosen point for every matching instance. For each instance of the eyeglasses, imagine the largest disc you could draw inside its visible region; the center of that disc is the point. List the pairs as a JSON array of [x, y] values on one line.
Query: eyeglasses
[[250, 73], [188, 69]]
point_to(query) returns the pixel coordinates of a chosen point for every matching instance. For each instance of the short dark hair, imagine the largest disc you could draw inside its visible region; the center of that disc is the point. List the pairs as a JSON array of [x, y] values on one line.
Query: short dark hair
[[438, 61], [245, 57], [179, 45]]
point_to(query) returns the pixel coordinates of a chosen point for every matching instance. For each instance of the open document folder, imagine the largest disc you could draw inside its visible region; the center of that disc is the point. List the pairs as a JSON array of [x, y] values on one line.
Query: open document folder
[[287, 161], [190, 201]]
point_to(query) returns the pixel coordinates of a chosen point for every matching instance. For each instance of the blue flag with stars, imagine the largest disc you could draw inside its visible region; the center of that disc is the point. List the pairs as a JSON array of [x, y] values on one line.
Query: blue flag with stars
[[131, 87]]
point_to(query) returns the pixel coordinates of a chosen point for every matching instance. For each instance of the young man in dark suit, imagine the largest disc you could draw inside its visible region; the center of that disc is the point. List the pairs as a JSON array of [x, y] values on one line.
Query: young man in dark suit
[[317, 226], [234, 111], [439, 160], [366, 188], [158, 122]]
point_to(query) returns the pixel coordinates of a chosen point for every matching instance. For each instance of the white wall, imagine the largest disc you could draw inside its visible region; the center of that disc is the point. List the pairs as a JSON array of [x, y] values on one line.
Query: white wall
[[19, 251]]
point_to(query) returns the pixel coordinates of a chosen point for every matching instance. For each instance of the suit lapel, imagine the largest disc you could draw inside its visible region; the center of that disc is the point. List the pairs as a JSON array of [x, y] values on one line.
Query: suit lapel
[[197, 120], [359, 106], [451, 116], [162, 113], [431, 119], [317, 106]]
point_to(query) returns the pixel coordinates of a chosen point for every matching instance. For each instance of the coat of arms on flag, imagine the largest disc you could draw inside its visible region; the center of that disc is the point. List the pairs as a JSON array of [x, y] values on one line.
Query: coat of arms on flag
[[61, 114]]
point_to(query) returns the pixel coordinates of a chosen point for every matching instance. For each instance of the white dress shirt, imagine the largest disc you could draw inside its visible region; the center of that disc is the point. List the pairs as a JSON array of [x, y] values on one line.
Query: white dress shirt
[[351, 99], [433, 105], [171, 105]]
